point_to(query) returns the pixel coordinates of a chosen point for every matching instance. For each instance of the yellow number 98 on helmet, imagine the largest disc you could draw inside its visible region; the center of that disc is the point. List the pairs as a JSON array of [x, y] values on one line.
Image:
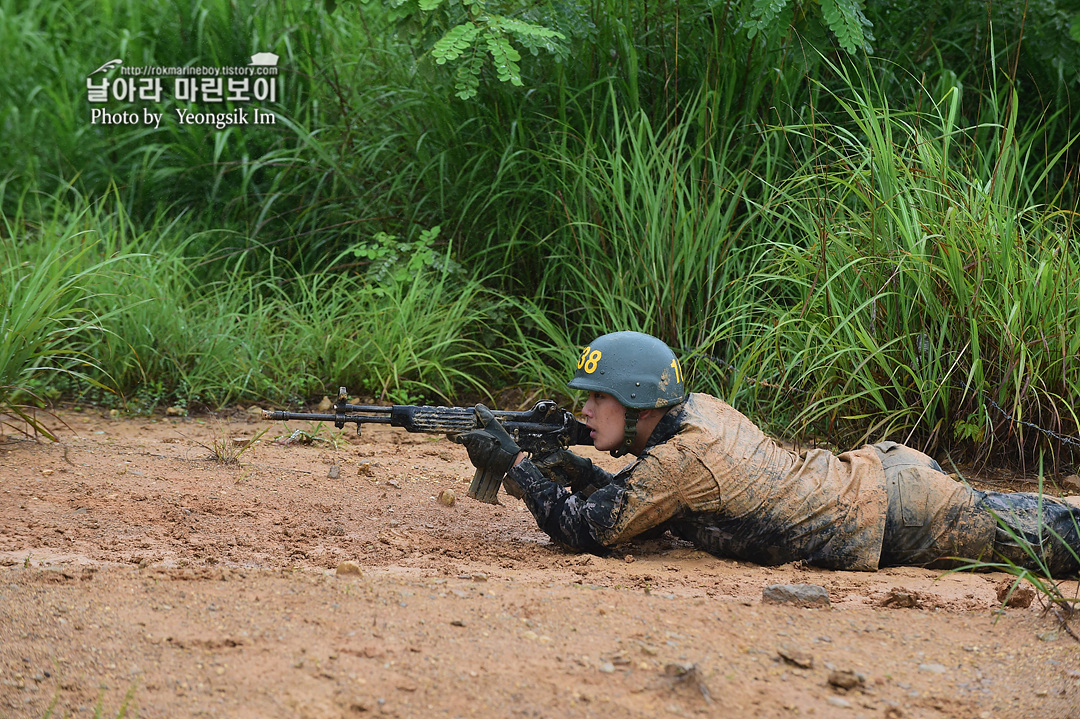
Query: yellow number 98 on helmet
[[637, 369]]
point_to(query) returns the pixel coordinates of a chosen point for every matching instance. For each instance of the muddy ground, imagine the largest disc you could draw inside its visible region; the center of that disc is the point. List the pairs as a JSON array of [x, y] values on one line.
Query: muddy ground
[[139, 577]]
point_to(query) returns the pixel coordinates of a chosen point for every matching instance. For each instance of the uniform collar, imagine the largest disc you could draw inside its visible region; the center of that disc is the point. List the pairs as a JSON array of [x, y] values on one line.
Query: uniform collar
[[669, 425]]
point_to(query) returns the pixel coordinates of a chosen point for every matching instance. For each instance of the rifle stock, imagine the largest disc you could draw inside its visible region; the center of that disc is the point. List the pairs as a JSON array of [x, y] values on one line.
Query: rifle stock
[[544, 428]]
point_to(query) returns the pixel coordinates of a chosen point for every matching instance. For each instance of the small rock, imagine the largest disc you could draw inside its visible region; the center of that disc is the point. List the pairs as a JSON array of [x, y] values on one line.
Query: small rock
[[1021, 597], [349, 569], [456, 623], [326, 404], [395, 539], [796, 657], [687, 674], [839, 702], [846, 679], [679, 669], [334, 473], [46, 472], [933, 668], [393, 483], [805, 595], [254, 410], [901, 598], [176, 411], [447, 498], [1072, 483], [240, 442], [607, 667]]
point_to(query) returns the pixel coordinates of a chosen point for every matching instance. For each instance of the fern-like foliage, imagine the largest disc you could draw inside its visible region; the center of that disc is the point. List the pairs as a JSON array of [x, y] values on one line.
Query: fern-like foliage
[[505, 57], [492, 31], [467, 77], [763, 15], [847, 21], [454, 43], [495, 34], [844, 18]]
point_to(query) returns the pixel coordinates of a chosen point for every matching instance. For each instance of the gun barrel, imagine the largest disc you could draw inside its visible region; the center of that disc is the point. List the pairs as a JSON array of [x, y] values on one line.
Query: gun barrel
[[412, 418], [542, 421], [319, 417], [544, 428]]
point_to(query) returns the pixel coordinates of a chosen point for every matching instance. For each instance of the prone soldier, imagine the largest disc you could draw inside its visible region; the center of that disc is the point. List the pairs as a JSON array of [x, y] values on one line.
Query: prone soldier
[[707, 474]]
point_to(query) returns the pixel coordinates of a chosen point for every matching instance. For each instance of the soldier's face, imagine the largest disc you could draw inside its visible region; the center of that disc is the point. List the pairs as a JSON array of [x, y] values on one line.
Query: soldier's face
[[606, 418]]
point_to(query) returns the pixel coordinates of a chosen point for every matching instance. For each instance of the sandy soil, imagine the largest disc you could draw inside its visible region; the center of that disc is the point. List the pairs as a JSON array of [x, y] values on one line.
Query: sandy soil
[[137, 575]]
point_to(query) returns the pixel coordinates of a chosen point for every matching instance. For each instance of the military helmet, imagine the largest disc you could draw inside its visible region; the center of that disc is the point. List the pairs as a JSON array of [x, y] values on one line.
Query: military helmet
[[637, 369]]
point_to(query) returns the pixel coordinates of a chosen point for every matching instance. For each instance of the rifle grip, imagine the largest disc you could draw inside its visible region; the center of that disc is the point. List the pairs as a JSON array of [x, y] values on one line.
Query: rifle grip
[[485, 485]]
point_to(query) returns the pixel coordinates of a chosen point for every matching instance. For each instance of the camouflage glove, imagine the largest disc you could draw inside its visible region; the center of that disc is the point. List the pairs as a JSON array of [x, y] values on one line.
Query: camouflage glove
[[565, 467], [491, 447], [560, 466]]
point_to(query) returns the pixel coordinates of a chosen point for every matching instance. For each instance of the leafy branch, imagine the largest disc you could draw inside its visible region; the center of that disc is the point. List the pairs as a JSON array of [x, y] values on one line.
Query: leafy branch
[[485, 30], [845, 18]]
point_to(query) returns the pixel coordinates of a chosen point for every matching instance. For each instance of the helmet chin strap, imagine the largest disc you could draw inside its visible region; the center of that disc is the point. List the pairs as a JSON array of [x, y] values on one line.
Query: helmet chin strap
[[629, 432]]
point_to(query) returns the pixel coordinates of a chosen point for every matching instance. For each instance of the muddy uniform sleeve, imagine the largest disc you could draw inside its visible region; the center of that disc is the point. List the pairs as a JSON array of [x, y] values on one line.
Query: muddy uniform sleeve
[[569, 470], [639, 498], [557, 510]]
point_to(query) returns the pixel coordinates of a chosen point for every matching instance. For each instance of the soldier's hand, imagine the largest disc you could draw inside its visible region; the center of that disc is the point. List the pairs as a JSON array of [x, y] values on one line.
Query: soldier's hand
[[561, 466], [564, 466], [490, 447], [574, 472]]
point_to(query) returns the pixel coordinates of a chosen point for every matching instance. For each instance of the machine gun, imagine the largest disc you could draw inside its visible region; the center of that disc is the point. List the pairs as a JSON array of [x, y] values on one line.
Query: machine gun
[[544, 428]]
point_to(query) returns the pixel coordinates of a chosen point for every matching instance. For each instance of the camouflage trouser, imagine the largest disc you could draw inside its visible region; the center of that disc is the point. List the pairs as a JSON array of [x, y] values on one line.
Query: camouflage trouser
[[935, 521], [1035, 531]]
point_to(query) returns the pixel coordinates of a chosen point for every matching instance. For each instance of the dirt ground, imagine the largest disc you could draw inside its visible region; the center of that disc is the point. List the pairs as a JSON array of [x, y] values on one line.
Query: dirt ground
[[138, 577]]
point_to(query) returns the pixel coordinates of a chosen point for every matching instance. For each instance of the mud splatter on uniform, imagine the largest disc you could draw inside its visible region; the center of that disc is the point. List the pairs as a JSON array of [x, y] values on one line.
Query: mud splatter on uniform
[[710, 476]]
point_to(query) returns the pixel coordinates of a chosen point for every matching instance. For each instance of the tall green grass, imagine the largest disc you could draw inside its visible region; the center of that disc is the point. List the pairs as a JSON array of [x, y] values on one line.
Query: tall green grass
[[928, 304], [656, 223], [50, 276], [283, 185], [126, 313], [843, 258]]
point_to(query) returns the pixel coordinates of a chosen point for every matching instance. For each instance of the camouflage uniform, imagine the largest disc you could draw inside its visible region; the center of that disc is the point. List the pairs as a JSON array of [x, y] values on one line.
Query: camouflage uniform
[[710, 476]]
